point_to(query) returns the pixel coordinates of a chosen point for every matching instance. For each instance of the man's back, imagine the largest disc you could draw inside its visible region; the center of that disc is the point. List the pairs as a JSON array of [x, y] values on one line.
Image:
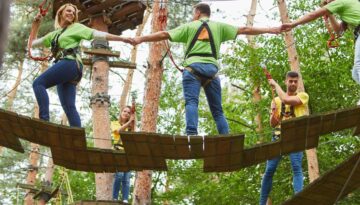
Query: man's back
[[220, 31]]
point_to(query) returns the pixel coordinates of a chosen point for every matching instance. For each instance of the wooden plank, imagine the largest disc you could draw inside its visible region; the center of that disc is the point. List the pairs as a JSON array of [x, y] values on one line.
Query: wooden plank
[[228, 156], [168, 148], [328, 121], [9, 140], [113, 64], [333, 179], [182, 146], [294, 129], [210, 153], [27, 126], [346, 118], [85, 157], [252, 156], [313, 131], [72, 138], [295, 145], [197, 145], [142, 146], [13, 119], [131, 149], [100, 51]]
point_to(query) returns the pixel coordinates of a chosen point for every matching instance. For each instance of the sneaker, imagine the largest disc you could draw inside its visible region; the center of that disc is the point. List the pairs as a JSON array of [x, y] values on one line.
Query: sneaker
[[125, 201]]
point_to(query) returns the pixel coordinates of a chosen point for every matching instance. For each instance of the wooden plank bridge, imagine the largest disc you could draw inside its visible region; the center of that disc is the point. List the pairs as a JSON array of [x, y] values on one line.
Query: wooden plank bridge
[[149, 151]]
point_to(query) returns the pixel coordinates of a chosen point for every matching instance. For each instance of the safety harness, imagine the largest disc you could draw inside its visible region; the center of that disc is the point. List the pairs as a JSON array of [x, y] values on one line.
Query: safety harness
[[59, 54], [283, 113], [204, 27]]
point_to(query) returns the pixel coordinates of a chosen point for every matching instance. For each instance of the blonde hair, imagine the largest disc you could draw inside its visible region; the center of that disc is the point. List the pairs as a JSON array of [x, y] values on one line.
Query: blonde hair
[[59, 13]]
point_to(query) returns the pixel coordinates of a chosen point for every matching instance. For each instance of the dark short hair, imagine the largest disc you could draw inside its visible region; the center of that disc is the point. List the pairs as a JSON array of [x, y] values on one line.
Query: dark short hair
[[203, 8], [292, 74]]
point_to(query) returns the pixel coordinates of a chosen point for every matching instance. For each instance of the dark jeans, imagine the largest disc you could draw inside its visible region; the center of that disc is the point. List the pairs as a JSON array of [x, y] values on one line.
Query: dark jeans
[[271, 165], [60, 74], [121, 179], [191, 88]]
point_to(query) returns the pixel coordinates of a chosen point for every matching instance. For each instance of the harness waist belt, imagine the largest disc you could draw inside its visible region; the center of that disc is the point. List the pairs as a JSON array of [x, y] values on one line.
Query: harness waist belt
[[200, 54], [67, 52], [204, 80]]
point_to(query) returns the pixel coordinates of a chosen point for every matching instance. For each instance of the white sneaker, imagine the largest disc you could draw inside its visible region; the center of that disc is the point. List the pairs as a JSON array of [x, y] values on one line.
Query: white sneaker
[[125, 201]]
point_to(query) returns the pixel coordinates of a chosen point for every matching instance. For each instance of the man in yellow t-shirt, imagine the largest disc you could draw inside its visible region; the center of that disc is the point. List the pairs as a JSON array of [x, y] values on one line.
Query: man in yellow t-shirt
[[289, 104]]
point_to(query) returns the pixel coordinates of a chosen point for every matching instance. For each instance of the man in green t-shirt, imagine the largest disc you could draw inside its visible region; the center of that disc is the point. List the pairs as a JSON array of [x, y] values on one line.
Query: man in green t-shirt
[[349, 12], [203, 39]]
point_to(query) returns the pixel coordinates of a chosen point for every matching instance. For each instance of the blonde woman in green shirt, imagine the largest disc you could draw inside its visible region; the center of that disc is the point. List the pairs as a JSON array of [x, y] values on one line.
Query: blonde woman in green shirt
[[67, 70], [349, 12], [203, 38]]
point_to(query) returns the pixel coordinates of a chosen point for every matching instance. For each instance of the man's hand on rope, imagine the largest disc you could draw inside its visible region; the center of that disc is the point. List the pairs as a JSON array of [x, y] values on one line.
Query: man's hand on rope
[[272, 82]]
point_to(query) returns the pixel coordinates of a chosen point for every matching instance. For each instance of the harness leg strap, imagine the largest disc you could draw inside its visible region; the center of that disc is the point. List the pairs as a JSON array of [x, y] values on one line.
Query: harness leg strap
[[204, 81]]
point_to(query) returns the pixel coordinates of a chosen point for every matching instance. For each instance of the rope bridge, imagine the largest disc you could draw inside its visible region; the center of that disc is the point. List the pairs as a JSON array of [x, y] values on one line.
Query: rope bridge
[[223, 153]]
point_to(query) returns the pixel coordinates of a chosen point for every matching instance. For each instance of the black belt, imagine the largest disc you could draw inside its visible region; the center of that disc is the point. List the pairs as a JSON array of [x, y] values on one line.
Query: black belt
[[66, 52], [200, 54]]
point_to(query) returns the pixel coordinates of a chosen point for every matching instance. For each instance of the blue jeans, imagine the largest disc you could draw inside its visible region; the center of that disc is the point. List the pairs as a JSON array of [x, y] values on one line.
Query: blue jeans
[[271, 165], [60, 74], [123, 179], [356, 67], [191, 88]]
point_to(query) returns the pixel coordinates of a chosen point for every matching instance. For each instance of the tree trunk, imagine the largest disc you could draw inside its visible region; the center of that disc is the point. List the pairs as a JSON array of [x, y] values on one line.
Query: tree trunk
[[50, 168], [13, 91], [256, 86], [48, 179], [100, 114], [4, 16], [129, 76], [313, 166], [151, 104], [34, 154]]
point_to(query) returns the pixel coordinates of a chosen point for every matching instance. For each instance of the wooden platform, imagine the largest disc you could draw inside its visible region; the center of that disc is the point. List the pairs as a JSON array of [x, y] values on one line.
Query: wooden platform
[[112, 64], [326, 189], [121, 14]]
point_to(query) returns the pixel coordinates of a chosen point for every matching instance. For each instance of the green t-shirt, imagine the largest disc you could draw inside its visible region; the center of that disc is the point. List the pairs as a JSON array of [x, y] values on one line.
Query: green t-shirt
[[71, 37], [184, 34], [348, 10]]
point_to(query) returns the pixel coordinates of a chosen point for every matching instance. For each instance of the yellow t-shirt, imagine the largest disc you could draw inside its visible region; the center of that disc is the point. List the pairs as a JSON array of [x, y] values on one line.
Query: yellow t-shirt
[[115, 126], [299, 110]]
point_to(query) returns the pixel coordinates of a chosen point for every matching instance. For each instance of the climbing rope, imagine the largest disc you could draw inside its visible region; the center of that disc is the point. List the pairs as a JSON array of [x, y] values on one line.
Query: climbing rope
[[133, 109], [269, 77], [43, 10], [332, 42], [162, 20]]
